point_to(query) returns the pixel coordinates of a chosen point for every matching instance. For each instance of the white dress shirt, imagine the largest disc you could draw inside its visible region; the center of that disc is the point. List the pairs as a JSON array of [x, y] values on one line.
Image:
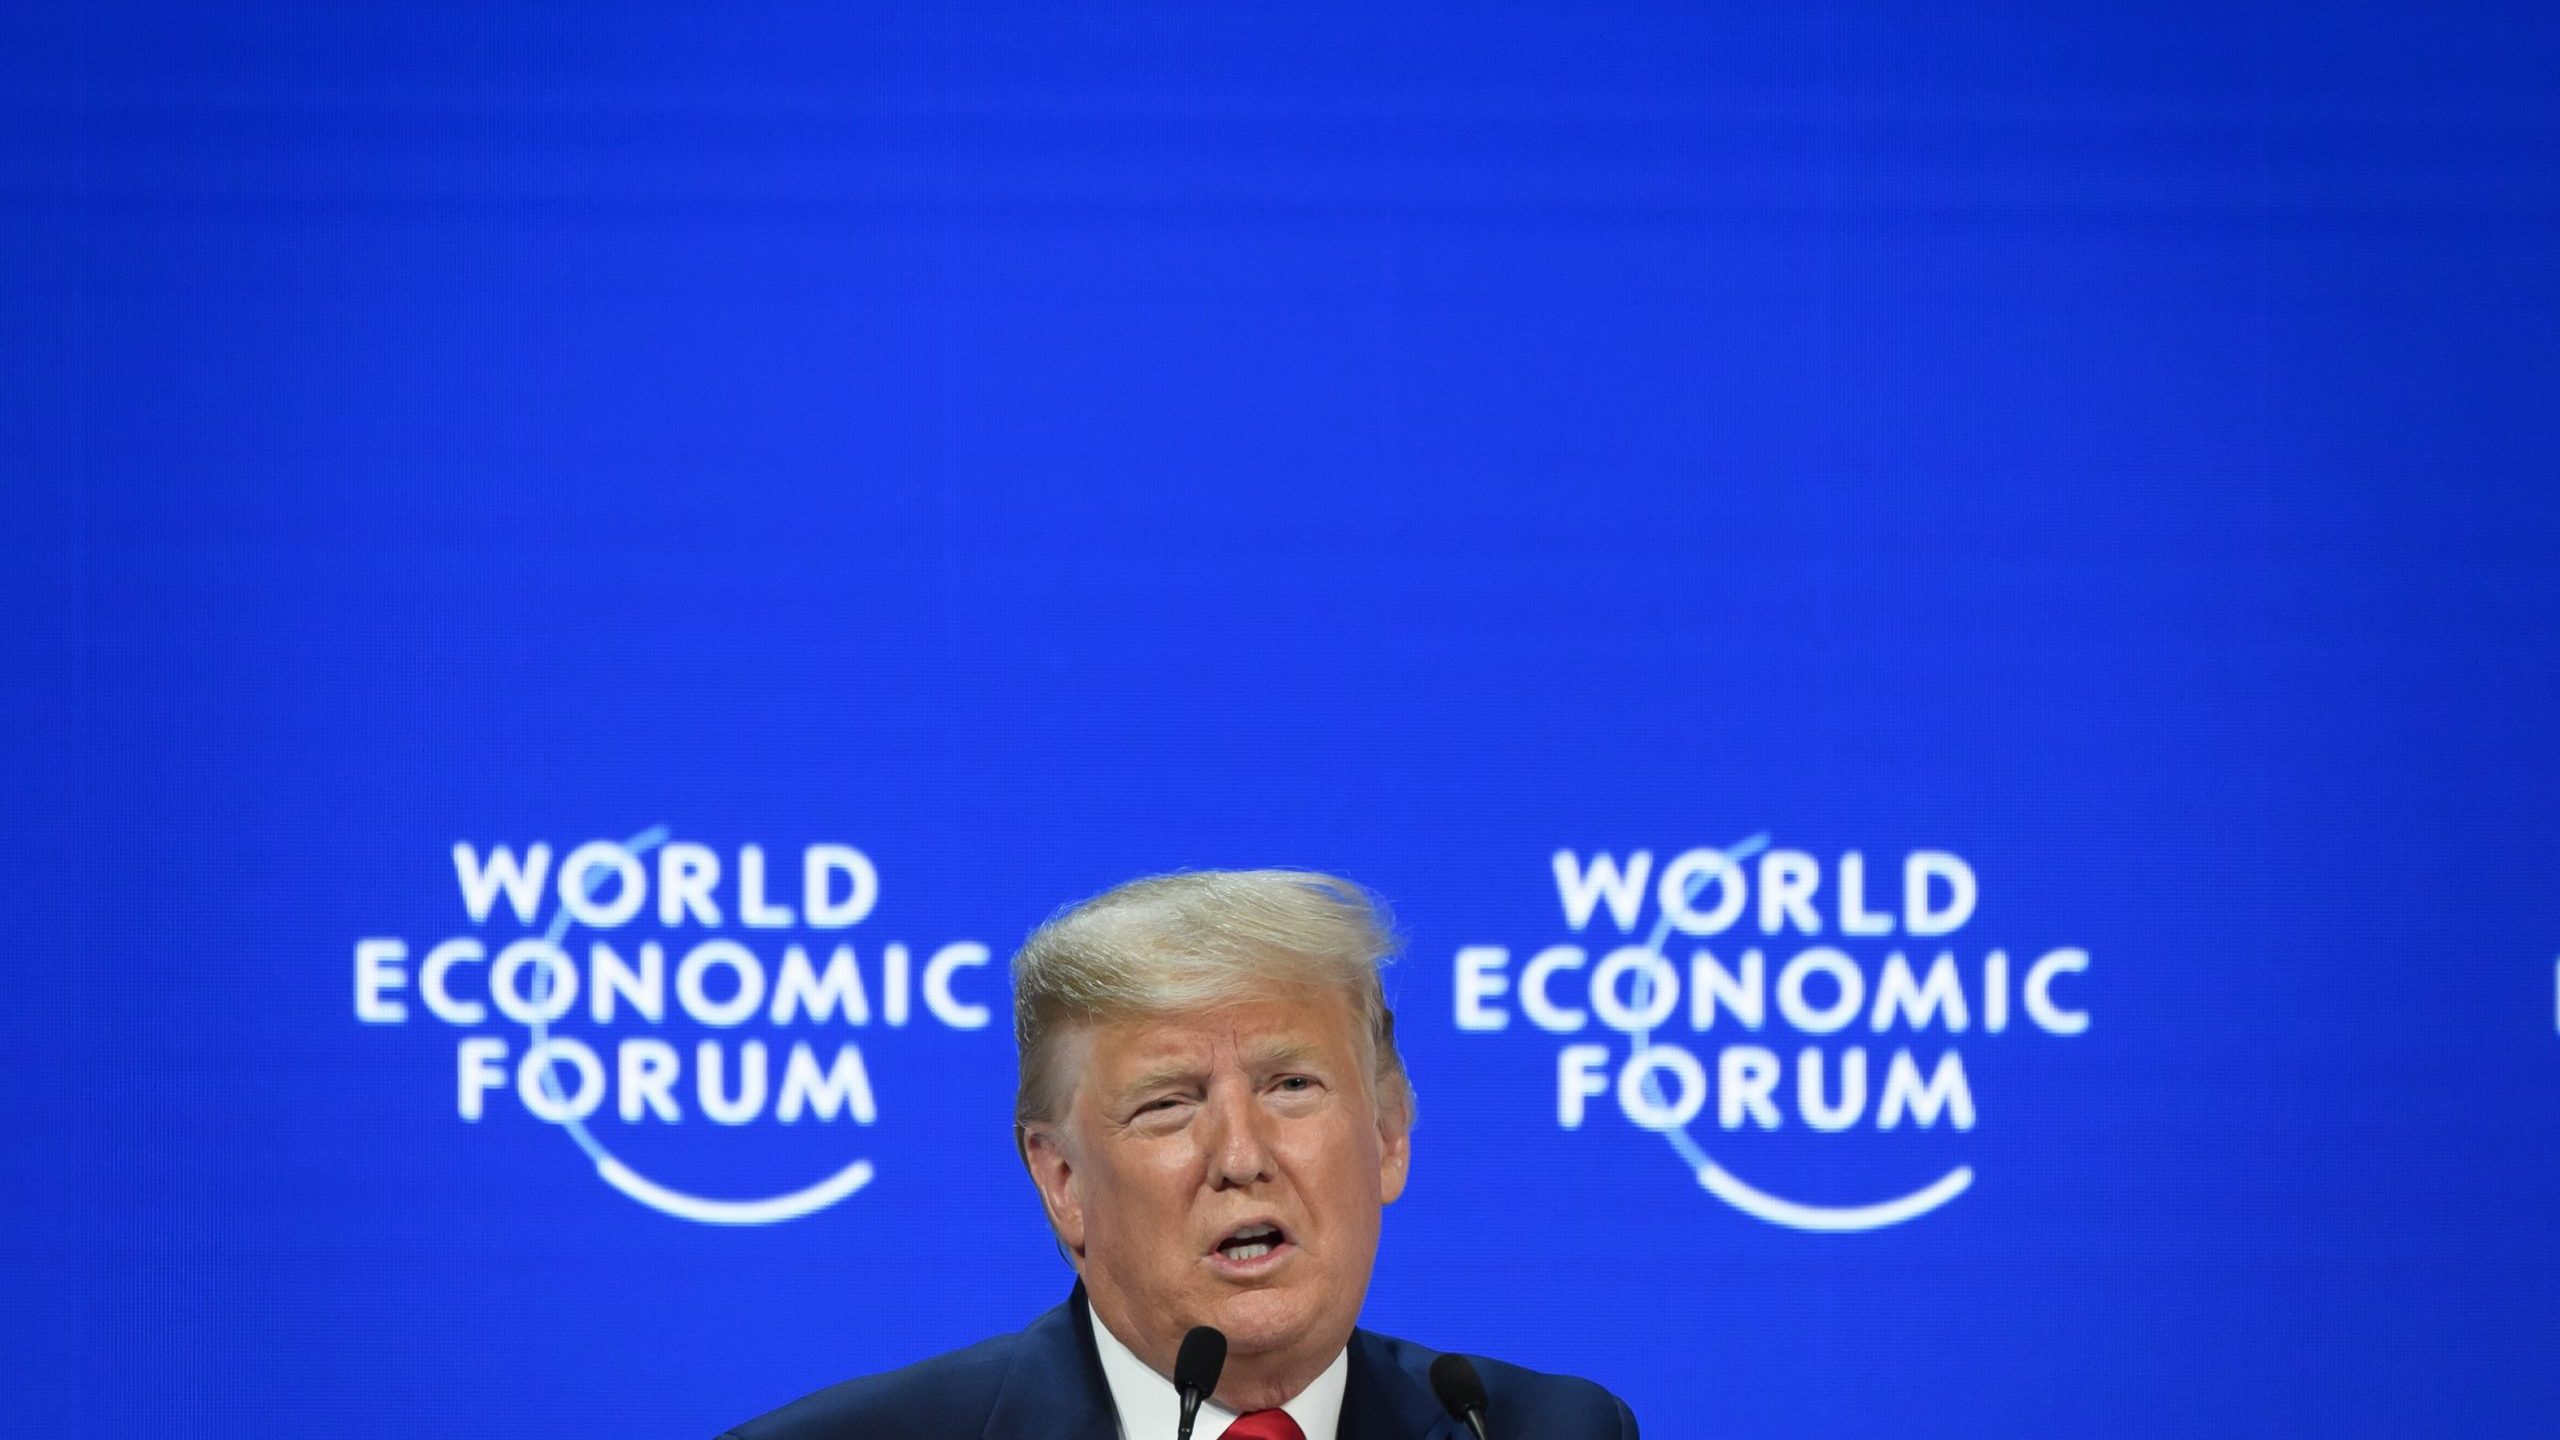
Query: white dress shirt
[[1151, 1409]]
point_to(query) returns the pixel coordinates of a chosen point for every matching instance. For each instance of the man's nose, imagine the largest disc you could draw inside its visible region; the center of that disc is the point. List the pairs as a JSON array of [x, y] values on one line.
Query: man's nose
[[1239, 1150]]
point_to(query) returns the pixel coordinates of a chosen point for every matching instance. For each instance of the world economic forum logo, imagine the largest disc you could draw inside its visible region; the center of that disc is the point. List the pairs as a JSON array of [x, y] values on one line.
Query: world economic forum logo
[[1795, 970], [651, 982]]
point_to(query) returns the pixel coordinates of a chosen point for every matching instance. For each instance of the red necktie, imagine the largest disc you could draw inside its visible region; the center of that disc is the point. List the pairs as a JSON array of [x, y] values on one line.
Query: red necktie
[[1264, 1425]]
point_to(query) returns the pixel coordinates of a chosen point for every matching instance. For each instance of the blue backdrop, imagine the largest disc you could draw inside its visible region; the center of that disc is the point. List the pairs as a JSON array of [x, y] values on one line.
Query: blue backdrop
[[2108, 456]]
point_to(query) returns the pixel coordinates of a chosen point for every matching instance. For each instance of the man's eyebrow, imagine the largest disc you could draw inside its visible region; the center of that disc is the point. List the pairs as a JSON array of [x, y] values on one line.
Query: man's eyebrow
[[1176, 1072], [1284, 1052], [1156, 1077]]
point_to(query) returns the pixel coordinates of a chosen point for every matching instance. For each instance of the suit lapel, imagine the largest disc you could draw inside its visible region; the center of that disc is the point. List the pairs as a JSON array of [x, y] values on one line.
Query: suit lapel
[[1381, 1402], [1054, 1389]]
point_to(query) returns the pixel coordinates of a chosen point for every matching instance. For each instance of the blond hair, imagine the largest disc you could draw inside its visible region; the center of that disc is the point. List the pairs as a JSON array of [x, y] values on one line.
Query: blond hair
[[1173, 944]]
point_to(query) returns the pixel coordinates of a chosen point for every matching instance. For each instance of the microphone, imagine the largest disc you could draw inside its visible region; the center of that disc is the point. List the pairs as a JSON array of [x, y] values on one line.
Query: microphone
[[1195, 1371], [1461, 1390]]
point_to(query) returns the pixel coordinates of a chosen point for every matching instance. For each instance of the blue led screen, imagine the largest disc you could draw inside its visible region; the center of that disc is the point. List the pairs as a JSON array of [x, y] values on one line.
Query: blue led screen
[[1939, 625]]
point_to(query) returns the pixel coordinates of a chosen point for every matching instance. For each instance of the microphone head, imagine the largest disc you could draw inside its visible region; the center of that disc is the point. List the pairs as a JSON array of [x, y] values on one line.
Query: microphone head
[[1196, 1366], [1460, 1388]]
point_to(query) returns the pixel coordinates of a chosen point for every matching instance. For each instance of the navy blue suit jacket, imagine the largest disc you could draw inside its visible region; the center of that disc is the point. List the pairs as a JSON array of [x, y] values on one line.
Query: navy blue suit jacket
[[1046, 1384]]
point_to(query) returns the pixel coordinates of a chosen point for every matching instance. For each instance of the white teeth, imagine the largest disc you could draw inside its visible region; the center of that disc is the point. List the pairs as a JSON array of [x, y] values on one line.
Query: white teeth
[[1251, 1243]]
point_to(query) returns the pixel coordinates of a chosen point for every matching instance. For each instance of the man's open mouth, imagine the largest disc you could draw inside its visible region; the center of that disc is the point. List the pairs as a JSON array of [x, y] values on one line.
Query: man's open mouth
[[1252, 1242]]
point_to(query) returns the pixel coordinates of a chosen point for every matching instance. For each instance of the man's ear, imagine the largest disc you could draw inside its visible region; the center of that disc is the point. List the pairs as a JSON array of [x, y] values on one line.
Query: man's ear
[[1053, 1173], [1395, 1150]]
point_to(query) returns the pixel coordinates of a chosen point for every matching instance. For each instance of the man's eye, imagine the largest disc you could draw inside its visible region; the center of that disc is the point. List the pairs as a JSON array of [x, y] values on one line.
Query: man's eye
[[1297, 1082]]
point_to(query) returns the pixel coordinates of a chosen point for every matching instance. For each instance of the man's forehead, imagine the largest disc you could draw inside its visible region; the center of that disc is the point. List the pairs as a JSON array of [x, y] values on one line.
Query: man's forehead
[[1296, 1023]]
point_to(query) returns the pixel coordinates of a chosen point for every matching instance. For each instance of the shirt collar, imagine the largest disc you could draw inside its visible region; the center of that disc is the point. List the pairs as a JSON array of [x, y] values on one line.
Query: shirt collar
[[1150, 1409]]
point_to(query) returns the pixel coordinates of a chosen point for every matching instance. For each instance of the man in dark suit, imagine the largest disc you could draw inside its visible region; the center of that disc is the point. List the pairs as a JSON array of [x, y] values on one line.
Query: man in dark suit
[[1213, 1111]]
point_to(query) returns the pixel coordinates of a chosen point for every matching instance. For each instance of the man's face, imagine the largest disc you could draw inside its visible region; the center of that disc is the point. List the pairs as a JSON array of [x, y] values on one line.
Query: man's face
[[1225, 1168]]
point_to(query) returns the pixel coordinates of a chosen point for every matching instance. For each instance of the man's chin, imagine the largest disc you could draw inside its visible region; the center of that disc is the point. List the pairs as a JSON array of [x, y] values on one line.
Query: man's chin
[[1266, 1322]]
